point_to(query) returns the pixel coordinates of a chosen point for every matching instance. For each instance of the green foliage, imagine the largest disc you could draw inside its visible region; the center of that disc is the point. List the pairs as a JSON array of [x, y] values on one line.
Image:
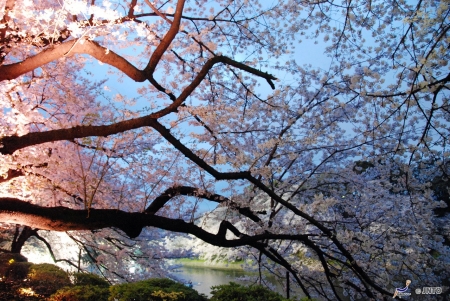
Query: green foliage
[[25, 281], [168, 296], [18, 270], [45, 279], [81, 293], [88, 287], [10, 291], [7, 262], [154, 290], [237, 292], [89, 279]]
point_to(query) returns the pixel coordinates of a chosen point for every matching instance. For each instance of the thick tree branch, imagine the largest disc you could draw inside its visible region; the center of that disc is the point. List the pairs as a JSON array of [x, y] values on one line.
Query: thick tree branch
[[196, 159], [167, 195], [16, 211], [202, 74], [11, 174], [14, 173], [167, 40], [9, 5], [19, 240], [104, 55], [157, 12], [4, 48], [12, 143]]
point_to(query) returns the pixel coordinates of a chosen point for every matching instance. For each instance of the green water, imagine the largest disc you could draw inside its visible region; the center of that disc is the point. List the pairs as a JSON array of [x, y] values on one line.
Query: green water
[[204, 275]]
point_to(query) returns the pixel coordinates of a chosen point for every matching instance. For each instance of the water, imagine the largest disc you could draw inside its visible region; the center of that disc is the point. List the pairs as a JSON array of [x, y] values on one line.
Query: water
[[203, 277]]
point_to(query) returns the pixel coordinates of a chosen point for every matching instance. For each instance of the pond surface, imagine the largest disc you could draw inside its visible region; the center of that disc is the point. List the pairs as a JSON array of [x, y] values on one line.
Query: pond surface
[[203, 277]]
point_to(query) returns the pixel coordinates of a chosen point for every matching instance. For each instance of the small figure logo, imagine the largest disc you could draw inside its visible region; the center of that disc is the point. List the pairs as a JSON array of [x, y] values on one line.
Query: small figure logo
[[402, 291]]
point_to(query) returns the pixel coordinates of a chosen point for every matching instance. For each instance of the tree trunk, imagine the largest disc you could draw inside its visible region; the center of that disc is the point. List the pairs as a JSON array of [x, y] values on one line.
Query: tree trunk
[[20, 239]]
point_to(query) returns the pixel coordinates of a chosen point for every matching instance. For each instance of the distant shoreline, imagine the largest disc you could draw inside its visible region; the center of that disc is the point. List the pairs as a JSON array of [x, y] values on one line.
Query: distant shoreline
[[202, 263]]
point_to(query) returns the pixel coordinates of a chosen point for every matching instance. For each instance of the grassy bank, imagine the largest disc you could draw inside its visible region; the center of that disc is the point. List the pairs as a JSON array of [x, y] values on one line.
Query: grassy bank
[[202, 263]]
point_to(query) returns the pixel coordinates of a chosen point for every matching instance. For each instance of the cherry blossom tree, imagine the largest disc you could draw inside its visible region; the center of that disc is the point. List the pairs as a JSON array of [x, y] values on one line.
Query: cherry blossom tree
[[320, 168]]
